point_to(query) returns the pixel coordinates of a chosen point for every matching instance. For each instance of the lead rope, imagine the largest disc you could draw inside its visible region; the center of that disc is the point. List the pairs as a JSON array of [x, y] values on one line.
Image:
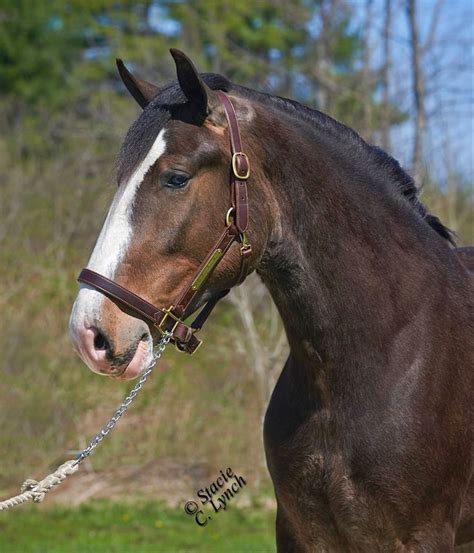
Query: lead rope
[[31, 489]]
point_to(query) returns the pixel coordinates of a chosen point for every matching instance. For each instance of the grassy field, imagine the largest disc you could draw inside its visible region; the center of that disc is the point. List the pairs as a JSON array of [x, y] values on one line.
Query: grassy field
[[103, 526]]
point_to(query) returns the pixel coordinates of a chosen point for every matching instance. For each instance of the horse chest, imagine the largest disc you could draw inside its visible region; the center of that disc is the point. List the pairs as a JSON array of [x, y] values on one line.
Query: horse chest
[[320, 500], [324, 508]]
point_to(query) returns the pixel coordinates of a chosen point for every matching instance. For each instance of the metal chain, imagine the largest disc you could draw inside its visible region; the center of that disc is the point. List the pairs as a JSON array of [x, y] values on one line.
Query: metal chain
[[157, 353]]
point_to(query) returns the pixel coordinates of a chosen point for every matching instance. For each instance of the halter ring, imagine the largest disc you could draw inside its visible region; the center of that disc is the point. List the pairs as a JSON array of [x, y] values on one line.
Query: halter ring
[[230, 213]]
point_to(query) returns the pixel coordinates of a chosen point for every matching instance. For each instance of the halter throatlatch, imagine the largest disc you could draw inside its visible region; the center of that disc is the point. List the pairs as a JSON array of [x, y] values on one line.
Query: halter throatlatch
[[169, 320]]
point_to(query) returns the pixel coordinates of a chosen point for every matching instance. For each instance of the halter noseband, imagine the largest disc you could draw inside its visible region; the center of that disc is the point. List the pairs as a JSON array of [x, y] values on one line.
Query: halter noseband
[[170, 319]]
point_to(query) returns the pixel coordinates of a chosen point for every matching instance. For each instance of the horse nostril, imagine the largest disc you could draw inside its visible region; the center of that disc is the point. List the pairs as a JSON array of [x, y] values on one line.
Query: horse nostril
[[100, 341]]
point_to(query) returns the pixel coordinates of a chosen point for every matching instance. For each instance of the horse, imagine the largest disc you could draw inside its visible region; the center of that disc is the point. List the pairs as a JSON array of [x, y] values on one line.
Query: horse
[[368, 434]]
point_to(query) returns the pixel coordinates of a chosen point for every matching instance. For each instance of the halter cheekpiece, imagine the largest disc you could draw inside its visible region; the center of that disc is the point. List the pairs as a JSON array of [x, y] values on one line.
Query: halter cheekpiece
[[169, 320]]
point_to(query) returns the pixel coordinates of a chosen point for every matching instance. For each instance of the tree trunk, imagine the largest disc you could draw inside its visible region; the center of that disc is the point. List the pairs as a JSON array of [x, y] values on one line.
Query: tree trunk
[[387, 63], [418, 90], [323, 48], [366, 76]]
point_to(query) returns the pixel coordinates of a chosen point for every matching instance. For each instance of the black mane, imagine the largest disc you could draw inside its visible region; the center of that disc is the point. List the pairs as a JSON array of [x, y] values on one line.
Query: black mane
[[155, 116]]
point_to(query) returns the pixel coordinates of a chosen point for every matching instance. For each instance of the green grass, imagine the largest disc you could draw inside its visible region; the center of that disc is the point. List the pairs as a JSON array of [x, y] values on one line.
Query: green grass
[[103, 526]]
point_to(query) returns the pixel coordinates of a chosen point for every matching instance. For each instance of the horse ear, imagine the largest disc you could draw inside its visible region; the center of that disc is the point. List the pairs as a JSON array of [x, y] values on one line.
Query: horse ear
[[194, 88], [142, 91]]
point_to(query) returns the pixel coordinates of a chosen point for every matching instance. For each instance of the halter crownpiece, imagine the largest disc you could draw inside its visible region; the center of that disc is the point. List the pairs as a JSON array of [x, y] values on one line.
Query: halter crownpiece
[[169, 320]]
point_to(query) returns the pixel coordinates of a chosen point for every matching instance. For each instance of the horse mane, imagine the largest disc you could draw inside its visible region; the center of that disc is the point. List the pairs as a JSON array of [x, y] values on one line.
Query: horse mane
[[403, 183]]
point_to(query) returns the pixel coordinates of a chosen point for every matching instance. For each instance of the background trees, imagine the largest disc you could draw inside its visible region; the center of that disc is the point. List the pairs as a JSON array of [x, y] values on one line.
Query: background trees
[[394, 70]]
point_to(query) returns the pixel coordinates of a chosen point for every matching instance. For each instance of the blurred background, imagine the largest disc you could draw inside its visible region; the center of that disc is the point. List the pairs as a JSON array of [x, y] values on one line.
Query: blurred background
[[398, 71]]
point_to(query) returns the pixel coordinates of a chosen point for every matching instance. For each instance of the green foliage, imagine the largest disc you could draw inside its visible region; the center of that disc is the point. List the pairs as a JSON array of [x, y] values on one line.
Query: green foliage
[[39, 44], [135, 528], [51, 52], [56, 54]]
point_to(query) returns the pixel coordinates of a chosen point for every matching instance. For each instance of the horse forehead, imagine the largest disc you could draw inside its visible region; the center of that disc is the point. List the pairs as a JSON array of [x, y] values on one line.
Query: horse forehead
[[139, 139], [191, 147], [132, 171], [185, 138]]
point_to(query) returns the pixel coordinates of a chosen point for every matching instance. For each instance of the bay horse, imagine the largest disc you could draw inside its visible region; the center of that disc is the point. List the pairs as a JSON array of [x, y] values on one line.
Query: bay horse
[[369, 431]]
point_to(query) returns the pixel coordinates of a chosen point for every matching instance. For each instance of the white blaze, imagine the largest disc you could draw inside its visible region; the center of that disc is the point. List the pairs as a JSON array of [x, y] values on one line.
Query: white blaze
[[114, 238]]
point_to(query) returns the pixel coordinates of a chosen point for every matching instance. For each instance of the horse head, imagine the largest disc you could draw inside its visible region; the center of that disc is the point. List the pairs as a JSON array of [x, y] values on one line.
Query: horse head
[[170, 207]]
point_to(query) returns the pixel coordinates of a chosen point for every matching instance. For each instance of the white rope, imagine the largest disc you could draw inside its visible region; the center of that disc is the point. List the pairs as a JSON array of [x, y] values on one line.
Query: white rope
[[31, 489]]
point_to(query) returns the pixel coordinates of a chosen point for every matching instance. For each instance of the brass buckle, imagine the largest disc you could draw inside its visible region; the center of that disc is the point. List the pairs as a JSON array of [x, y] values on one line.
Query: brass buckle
[[167, 313], [234, 166], [162, 331]]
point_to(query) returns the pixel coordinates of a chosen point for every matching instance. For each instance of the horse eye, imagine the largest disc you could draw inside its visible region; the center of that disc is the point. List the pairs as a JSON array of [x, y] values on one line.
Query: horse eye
[[176, 180]]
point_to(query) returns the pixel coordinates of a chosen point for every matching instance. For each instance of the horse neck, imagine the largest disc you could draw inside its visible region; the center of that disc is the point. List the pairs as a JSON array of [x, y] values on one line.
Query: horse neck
[[347, 264]]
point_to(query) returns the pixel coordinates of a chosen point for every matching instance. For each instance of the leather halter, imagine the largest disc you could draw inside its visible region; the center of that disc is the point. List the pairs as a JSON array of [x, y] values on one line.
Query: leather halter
[[171, 319]]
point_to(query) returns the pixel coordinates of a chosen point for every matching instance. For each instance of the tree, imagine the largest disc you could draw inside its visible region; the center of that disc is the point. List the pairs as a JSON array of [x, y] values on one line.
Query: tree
[[39, 45], [418, 89], [385, 78]]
